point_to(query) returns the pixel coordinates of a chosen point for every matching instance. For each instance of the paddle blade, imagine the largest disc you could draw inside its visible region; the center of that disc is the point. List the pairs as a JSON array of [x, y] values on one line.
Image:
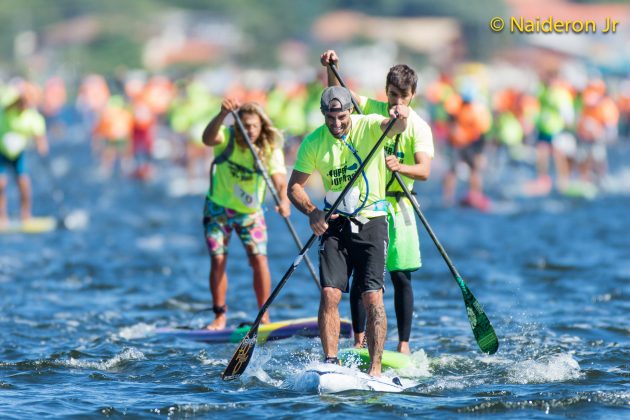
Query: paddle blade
[[242, 356], [482, 329]]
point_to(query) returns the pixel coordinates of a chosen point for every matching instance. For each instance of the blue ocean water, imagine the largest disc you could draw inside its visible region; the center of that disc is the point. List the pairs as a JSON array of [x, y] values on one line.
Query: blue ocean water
[[78, 310]]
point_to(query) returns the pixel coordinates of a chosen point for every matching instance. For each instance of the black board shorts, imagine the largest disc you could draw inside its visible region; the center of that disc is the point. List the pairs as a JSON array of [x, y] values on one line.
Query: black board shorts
[[343, 252]]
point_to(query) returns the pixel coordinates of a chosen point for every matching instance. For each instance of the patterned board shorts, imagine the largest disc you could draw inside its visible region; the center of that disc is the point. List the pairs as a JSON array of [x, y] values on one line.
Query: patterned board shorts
[[218, 223]]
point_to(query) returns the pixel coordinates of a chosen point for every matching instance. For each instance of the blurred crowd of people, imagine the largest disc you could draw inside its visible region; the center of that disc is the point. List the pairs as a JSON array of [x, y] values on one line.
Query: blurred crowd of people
[[553, 121]]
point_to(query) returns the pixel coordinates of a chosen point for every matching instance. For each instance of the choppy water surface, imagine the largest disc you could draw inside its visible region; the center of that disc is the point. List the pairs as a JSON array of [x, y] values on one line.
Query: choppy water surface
[[78, 309]]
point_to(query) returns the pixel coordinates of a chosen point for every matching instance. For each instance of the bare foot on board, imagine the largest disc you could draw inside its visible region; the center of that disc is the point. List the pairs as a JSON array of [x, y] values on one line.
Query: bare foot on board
[[360, 341], [403, 347], [219, 323]]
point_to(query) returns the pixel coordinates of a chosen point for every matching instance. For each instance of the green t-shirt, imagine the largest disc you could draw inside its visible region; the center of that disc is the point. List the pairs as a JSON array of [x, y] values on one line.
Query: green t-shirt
[[236, 184], [17, 129], [416, 138], [336, 163]]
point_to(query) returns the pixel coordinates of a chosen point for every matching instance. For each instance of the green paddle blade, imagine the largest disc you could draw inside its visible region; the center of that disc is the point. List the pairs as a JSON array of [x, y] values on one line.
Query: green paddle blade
[[482, 329], [242, 356]]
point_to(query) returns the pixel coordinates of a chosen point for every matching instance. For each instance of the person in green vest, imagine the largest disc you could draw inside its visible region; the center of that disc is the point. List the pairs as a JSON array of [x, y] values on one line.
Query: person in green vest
[[234, 200], [556, 116], [19, 124], [410, 154], [354, 241]]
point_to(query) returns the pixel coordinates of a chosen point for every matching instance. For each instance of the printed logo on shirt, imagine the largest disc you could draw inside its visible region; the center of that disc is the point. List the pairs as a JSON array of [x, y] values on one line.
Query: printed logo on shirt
[[341, 176], [240, 172]]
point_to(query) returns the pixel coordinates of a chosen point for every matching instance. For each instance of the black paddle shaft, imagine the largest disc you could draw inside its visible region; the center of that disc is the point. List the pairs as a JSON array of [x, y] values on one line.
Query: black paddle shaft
[[274, 193]]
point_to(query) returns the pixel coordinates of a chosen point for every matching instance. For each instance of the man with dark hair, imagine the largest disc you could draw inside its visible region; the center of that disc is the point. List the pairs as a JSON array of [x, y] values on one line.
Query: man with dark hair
[[410, 155], [354, 241], [402, 77]]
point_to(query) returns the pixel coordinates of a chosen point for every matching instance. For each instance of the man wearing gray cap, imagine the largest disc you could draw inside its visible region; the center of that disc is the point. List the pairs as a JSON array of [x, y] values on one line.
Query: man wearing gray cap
[[355, 239]]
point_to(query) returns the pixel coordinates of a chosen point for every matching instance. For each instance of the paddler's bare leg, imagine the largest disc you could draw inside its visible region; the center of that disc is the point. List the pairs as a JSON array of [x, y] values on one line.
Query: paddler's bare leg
[[218, 288], [475, 179], [24, 183], [4, 217], [448, 194], [329, 320], [376, 329], [262, 281]]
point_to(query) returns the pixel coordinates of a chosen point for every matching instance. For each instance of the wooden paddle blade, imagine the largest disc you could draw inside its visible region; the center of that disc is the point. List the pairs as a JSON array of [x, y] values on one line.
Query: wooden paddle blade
[[242, 356], [480, 324]]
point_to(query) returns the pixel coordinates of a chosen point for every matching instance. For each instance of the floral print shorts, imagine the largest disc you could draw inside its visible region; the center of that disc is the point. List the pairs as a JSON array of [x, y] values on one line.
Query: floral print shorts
[[218, 223]]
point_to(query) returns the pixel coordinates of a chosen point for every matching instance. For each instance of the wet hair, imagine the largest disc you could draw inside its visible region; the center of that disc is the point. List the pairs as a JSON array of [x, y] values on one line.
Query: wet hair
[[270, 136], [403, 77]]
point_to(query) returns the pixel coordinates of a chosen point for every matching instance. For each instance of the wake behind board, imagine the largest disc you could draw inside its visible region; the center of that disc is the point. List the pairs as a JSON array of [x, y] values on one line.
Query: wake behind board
[[329, 378], [361, 358], [32, 225], [305, 327]]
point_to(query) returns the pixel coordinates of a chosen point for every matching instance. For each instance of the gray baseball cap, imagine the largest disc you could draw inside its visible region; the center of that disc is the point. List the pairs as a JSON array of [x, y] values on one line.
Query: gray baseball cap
[[335, 93]]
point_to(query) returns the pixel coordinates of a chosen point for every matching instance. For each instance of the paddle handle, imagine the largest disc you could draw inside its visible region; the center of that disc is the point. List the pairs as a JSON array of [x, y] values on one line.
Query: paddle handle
[[333, 67]]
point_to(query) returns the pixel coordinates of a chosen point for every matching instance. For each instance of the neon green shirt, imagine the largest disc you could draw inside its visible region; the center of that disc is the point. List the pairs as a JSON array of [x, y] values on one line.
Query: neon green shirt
[[335, 162], [416, 138], [17, 129], [236, 185]]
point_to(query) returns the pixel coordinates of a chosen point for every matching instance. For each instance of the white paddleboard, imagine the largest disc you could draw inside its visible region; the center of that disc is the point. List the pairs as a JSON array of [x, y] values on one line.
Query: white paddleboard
[[329, 378]]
